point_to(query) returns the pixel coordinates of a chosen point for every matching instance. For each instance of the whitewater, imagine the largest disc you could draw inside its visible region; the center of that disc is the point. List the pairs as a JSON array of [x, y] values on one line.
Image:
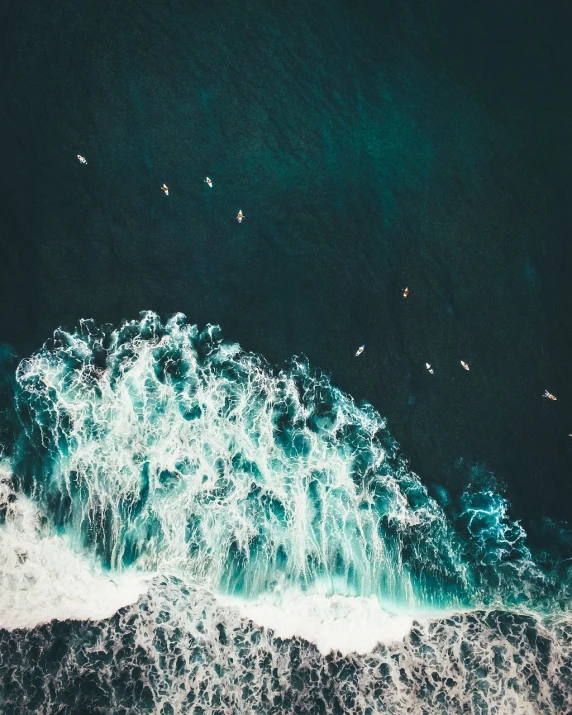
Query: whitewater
[[186, 528]]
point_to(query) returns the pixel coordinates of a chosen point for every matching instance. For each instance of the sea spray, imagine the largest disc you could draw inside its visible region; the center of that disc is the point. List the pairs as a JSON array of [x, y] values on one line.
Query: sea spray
[[163, 447]]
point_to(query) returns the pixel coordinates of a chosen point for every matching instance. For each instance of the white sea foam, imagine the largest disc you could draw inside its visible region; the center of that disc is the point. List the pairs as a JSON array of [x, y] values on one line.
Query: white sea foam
[[42, 578], [190, 653], [333, 623]]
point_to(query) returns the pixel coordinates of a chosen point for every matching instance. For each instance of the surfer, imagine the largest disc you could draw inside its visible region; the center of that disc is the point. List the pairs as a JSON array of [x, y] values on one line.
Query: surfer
[[240, 216], [82, 159], [360, 350], [549, 395], [464, 364], [405, 292], [429, 368], [209, 182], [165, 188]]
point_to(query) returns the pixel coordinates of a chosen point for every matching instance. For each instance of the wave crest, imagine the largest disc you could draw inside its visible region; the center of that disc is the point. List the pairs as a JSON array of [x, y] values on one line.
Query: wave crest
[[164, 446]]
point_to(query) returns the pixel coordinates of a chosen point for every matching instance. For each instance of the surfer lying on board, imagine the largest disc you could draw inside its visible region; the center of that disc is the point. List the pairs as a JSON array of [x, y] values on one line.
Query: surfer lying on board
[[549, 395]]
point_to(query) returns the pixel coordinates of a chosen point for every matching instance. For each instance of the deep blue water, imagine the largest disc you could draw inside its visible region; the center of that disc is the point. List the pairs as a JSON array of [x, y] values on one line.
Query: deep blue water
[[371, 146]]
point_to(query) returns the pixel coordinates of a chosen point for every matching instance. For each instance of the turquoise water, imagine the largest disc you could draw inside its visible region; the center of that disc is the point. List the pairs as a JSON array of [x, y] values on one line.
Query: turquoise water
[[184, 454]]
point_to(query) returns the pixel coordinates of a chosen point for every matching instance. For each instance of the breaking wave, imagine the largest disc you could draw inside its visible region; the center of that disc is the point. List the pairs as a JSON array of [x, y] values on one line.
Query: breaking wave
[[272, 532]]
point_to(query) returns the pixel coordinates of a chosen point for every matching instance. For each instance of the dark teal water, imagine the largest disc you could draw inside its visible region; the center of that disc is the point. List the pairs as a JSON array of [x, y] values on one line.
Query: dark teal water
[[371, 146]]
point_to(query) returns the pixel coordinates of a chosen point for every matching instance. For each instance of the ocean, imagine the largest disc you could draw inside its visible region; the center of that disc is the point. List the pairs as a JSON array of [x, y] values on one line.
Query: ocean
[[208, 503]]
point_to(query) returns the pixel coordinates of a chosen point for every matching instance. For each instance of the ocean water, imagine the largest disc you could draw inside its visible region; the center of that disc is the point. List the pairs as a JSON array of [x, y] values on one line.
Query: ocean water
[[204, 532], [208, 504]]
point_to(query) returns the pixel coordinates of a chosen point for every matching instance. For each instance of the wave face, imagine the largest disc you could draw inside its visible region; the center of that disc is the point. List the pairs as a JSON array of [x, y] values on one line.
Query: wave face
[[254, 493], [169, 449]]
